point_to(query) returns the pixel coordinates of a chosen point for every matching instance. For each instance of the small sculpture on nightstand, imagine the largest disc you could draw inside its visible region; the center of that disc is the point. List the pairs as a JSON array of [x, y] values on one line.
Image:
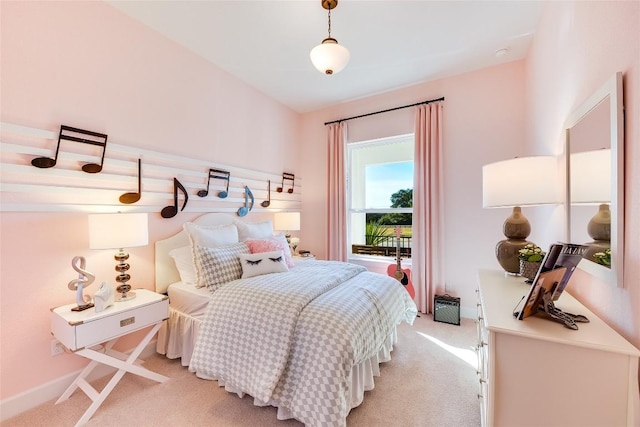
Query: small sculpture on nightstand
[[84, 279], [104, 297]]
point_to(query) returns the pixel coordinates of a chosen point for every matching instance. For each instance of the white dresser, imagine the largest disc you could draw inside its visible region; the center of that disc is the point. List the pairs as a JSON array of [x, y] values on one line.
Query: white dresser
[[537, 372]]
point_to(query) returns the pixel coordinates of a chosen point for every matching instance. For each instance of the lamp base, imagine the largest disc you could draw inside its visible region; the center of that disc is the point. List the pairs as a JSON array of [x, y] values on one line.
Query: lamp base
[[125, 296], [507, 254]]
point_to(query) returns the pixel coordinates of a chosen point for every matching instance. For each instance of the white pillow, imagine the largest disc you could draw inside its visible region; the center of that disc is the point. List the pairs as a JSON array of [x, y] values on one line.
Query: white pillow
[[256, 230], [217, 266], [183, 259], [211, 236], [262, 263]]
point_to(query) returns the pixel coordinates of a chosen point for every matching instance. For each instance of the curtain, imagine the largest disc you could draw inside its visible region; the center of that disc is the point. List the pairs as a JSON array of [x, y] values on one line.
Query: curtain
[[337, 206], [427, 265]]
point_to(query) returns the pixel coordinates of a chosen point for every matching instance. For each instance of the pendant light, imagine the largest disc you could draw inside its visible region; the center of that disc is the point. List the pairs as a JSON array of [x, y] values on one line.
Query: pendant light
[[329, 57]]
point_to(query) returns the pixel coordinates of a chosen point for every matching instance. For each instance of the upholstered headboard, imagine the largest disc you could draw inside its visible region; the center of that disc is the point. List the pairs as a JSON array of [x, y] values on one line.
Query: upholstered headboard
[[166, 271]]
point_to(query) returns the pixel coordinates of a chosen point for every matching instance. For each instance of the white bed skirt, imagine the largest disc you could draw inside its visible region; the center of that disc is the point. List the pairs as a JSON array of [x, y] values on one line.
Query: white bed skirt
[[176, 339], [177, 336]]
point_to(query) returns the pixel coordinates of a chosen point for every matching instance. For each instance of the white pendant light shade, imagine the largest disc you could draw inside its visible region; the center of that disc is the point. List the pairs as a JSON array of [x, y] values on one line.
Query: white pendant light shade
[[329, 57]]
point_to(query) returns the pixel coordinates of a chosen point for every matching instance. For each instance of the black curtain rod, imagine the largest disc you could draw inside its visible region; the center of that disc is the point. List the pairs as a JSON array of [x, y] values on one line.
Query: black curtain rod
[[385, 111]]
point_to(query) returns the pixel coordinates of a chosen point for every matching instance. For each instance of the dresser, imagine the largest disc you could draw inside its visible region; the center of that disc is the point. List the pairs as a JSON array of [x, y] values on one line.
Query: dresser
[[535, 372]]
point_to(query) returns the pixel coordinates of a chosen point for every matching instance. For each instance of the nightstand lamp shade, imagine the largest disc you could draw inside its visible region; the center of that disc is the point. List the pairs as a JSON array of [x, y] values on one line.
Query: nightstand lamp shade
[[119, 231], [590, 184], [523, 181], [287, 222]]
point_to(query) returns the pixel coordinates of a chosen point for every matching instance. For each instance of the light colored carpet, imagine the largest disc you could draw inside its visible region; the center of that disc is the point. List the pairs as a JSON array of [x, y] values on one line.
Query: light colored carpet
[[430, 381]]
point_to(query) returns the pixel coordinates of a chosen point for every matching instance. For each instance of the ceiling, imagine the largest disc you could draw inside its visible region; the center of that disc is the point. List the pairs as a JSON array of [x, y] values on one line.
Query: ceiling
[[393, 43]]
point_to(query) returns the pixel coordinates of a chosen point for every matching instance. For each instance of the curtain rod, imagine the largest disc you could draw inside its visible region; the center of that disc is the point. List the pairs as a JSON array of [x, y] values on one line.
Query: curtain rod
[[385, 111]]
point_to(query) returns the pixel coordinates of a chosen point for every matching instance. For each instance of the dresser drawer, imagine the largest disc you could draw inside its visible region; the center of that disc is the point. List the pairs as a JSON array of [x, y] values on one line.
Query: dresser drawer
[[85, 329]]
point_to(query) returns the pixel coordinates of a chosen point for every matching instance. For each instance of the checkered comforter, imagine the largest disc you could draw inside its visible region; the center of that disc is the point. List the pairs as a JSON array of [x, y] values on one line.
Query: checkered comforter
[[291, 339]]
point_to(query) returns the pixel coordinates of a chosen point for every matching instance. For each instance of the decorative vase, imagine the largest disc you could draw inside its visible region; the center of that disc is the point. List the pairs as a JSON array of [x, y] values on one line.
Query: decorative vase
[[529, 269]]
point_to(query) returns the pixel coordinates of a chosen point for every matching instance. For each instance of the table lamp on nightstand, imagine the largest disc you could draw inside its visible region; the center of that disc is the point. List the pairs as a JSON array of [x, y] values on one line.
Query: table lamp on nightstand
[[119, 231], [287, 222]]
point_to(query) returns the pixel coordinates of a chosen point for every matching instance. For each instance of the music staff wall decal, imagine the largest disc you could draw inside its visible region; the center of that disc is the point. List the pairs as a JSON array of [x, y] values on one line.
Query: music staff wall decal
[[128, 198], [216, 174], [171, 211], [69, 133], [287, 177]]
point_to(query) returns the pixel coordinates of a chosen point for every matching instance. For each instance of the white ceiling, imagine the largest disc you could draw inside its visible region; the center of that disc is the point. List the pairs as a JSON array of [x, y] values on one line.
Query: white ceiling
[[393, 43]]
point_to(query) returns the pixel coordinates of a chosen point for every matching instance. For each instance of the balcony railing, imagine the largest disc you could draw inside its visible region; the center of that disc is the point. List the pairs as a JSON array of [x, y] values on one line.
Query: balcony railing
[[386, 246]]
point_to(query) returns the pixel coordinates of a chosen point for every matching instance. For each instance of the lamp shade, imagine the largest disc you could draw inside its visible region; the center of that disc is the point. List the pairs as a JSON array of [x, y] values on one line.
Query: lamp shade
[[523, 181], [286, 221], [119, 230], [329, 57], [590, 177]]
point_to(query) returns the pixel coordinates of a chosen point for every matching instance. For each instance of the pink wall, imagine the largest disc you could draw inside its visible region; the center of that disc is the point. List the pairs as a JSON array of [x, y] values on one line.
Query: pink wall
[[578, 46], [86, 64]]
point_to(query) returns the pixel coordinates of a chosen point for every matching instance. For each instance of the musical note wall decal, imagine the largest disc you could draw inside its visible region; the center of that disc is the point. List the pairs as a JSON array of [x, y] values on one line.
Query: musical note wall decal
[[267, 202], [216, 174], [69, 133], [287, 177], [171, 211], [128, 198], [247, 205]]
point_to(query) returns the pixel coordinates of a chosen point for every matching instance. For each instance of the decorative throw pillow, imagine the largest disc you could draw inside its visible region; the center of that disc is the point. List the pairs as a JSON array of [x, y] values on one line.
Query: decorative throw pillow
[[275, 243], [211, 236], [262, 263], [256, 230], [183, 259], [217, 266]]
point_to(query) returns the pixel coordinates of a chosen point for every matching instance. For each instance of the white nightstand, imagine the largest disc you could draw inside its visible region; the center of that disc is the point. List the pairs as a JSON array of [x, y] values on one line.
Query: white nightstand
[[80, 330], [298, 258]]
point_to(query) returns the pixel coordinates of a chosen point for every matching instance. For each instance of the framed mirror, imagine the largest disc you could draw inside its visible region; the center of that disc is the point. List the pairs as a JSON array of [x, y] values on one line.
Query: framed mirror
[[594, 161]]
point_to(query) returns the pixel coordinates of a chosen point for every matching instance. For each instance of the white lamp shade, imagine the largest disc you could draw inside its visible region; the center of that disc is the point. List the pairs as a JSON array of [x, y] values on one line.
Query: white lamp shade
[[119, 230], [329, 57], [523, 181], [286, 221], [590, 177]]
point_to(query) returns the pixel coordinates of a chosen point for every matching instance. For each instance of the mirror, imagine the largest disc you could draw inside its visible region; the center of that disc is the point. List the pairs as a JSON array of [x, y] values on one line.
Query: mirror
[[594, 161]]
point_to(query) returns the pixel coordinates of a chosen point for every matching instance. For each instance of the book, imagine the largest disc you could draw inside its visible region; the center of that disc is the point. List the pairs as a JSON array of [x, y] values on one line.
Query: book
[[569, 257]]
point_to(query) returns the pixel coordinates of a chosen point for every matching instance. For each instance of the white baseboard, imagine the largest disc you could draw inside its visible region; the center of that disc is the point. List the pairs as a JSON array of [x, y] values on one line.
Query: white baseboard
[[15, 405]]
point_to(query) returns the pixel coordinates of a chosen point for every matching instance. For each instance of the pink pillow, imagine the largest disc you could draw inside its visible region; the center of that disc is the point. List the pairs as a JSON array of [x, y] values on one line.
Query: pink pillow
[[275, 243]]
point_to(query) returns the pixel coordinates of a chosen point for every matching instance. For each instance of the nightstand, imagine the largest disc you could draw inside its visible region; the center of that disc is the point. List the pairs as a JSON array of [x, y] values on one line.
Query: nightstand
[[297, 258], [80, 330]]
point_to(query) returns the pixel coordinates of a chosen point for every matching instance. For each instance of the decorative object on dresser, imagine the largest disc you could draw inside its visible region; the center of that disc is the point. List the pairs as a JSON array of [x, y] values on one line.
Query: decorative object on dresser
[[82, 332], [286, 222], [84, 280], [584, 377], [329, 57], [530, 260], [119, 231], [522, 181]]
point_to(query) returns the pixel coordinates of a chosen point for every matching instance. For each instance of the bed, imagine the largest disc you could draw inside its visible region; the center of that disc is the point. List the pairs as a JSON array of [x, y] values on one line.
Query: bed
[[304, 337]]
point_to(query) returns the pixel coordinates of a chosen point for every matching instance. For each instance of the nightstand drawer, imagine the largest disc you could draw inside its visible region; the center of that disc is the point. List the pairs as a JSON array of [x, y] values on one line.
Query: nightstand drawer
[[77, 330]]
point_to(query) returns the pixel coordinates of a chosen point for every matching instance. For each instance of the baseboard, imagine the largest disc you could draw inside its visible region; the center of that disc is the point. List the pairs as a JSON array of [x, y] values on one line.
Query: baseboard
[[469, 312], [29, 399]]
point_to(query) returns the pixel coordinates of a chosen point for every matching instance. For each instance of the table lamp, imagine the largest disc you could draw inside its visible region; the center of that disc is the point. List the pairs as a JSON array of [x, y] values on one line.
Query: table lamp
[[522, 181], [119, 231], [286, 221]]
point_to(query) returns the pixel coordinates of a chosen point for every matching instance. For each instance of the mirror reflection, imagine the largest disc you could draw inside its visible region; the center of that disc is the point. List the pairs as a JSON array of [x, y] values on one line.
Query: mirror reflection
[[594, 191]]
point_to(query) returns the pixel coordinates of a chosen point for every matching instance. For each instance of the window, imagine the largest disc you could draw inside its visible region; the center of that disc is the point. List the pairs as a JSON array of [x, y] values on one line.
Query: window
[[380, 196]]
